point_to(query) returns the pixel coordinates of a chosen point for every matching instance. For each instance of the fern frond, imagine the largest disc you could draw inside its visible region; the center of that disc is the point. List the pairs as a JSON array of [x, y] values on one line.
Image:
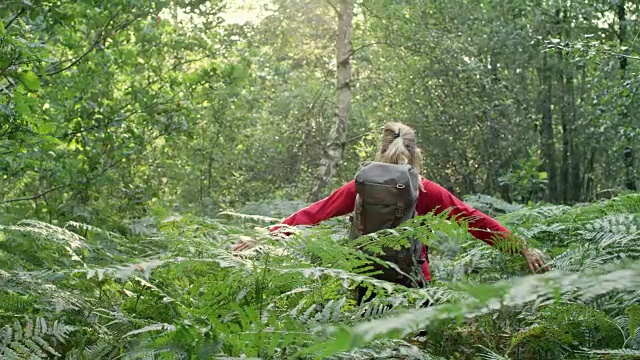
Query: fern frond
[[149, 354], [616, 352], [540, 229], [491, 205], [95, 229], [38, 288], [488, 354], [152, 327], [243, 217], [70, 241], [487, 298], [385, 349], [12, 302], [48, 231], [143, 268], [347, 278], [331, 312], [615, 223], [535, 215], [375, 309], [61, 331], [98, 350], [31, 340]]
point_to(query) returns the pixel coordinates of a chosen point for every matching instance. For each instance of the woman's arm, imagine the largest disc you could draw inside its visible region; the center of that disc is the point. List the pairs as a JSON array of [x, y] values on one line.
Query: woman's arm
[[485, 228], [438, 199], [340, 202]]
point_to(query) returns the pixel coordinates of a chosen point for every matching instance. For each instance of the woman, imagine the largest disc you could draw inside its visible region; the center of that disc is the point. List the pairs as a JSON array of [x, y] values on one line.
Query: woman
[[398, 146]]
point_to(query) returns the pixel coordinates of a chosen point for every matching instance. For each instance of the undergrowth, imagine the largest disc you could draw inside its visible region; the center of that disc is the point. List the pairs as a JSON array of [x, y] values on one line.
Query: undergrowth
[[171, 288]]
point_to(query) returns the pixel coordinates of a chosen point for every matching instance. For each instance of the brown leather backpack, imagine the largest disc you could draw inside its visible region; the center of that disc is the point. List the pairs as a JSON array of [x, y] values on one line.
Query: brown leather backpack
[[387, 195]]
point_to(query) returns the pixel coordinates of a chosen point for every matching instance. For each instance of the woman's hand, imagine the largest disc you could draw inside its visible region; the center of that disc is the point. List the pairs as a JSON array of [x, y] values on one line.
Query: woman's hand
[[247, 243], [535, 259]]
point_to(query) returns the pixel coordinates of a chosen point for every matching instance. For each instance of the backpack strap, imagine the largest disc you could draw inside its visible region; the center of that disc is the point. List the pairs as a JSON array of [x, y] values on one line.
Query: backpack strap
[[360, 210], [399, 214]]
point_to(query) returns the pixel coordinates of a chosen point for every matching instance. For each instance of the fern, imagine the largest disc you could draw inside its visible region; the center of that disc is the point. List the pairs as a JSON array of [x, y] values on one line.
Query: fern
[[52, 232], [614, 352], [487, 298], [12, 302], [31, 340], [98, 350], [386, 349], [177, 290], [152, 327], [69, 241], [490, 355], [491, 205], [23, 289]]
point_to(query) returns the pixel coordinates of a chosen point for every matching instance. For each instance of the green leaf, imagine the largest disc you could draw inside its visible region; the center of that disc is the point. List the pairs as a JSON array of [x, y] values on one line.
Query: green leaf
[[46, 128], [22, 108], [31, 80], [633, 312]]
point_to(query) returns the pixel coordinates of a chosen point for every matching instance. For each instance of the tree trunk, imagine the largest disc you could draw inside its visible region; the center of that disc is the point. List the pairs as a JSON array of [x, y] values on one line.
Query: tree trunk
[[622, 32], [575, 156], [566, 140], [630, 182], [570, 171], [588, 175], [565, 126], [492, 136], [563, 183], [546, 131], [338, 134], [578, 162]]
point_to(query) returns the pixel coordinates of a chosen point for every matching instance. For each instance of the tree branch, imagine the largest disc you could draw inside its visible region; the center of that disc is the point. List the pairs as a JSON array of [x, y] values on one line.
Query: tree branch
[[620, 55], [93, 46], [333, 7], [366, 46], [15, 17], [91, 178], [358, 137], [34, 197]]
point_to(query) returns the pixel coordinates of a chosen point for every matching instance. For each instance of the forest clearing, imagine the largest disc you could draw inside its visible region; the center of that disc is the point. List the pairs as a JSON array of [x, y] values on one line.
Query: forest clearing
[[187, 179]]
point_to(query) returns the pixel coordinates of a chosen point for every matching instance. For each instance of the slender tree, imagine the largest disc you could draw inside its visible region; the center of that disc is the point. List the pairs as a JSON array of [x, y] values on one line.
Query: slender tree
[[332, 152]]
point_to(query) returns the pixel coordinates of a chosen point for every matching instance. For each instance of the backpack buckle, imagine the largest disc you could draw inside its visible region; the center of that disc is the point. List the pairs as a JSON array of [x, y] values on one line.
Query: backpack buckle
[[400, 211], [400, 186]]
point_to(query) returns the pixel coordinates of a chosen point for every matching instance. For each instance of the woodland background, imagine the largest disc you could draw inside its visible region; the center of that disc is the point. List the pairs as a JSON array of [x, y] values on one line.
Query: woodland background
[[118, 118], [110, 108]]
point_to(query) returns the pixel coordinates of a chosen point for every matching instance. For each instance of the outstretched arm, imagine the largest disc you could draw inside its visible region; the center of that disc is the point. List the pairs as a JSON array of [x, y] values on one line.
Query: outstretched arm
[[481, 226], [340, 202], [439, 199]]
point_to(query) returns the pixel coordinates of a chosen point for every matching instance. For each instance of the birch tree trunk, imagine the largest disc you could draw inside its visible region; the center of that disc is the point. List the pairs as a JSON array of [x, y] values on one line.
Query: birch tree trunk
[[334, 147], [547, 130]]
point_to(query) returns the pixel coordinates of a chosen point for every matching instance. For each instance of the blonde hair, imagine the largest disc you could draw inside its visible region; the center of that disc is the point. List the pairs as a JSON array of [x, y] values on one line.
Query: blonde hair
[[398, 145]]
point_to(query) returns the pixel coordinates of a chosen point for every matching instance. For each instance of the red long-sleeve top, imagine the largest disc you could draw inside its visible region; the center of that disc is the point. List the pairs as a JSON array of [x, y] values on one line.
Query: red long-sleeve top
[[433, 198]]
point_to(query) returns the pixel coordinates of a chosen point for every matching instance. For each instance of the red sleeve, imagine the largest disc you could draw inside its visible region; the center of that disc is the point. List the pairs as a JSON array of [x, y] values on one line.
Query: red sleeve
[[436, 197], [340, 202]]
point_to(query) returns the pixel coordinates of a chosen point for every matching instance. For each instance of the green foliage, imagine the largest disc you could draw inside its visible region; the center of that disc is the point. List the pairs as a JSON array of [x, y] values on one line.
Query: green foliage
[[528, 183], [139, 139], [187, 295], [118, 110], [490, 205], [34, 339]]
